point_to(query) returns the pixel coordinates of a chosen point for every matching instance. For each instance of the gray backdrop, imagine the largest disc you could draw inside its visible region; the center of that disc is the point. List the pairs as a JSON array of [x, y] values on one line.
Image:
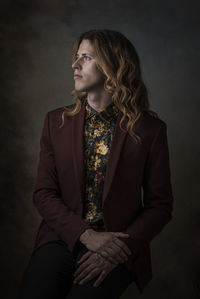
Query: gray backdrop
[[36, 76]]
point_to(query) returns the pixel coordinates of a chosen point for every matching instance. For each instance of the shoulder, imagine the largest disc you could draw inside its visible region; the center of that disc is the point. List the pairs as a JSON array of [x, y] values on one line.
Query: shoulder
[[152, 121], [56, 114], [59, 110], [150, 126]]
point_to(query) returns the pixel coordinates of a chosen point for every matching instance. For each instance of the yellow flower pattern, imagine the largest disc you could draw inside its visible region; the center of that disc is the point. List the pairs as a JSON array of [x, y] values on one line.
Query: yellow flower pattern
[[102, 148], [98, 132]]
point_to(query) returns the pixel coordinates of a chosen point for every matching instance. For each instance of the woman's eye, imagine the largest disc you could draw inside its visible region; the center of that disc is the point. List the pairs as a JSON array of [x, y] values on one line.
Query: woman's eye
[[84, 57]]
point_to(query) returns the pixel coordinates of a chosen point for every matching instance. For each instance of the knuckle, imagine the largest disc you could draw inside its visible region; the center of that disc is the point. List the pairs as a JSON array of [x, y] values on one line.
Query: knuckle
[[119, 249]]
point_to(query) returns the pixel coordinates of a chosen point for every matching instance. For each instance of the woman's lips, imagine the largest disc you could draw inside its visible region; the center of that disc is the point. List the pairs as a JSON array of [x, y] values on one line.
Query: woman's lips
[[77, 77]]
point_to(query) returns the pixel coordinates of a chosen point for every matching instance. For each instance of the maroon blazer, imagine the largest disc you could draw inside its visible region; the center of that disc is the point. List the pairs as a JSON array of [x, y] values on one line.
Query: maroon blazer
[[137, 195]]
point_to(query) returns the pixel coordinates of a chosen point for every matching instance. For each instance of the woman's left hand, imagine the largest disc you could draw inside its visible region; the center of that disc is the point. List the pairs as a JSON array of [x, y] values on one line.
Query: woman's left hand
[[92, 265]]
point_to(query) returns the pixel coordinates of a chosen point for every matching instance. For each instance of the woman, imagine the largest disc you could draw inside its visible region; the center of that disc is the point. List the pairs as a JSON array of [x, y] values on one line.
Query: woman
[[94, 238]]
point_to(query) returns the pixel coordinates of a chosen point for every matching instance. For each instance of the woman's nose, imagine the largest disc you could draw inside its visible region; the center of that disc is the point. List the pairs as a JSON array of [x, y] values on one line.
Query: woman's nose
[[76, 62]]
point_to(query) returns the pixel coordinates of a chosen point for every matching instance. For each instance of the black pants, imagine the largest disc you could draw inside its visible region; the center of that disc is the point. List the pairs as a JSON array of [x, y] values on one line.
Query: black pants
[[49, 275]]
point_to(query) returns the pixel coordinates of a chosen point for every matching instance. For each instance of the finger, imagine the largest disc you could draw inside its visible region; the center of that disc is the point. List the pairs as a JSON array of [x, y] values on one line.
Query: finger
[[123, 246], [123, 258], [80, 269], [85, 272], [120, 234], [93, 262], [101, 277], [85, 256], [119, 258], [112, 260], [82, 266], [98, 265], [120, 254], [114, 254], [90, 276], [108, 255]]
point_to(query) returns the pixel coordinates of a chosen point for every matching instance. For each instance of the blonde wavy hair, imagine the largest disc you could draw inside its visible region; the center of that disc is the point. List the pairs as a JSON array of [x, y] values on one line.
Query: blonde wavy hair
[[118, 60]]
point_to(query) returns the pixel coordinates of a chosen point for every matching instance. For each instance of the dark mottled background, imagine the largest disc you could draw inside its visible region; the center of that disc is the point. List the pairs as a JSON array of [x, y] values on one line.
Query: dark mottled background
[[36, 76]]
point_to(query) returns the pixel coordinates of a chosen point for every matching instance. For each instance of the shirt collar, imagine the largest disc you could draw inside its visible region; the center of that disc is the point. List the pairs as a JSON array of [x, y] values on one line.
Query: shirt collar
[[110, 112]]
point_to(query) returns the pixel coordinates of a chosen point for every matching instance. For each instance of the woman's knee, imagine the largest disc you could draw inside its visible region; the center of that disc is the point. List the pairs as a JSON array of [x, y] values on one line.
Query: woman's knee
[[48, 273], [52, 255]]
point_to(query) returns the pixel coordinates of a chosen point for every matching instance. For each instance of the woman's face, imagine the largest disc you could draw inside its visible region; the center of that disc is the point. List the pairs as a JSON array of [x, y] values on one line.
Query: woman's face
[[92, 79]]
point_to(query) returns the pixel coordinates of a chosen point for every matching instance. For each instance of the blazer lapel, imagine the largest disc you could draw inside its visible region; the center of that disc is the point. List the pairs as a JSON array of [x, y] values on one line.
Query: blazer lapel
[[114, 155], [78, 147], [78, 150]]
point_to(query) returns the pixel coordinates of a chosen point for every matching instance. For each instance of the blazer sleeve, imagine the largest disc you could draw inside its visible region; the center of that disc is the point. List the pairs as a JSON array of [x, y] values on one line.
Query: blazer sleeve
[[47, 195], [157, 195]]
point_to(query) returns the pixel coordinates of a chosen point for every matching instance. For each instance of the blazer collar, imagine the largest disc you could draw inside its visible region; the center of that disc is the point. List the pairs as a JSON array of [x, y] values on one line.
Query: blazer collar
[[78, 150], [107, 114]]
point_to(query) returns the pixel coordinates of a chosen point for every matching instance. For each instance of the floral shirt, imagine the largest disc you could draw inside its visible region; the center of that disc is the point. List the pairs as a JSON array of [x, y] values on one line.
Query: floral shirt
[[98, 133]]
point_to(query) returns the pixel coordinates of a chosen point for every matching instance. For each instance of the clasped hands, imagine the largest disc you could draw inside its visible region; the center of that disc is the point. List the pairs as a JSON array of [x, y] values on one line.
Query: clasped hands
[[106, 251]]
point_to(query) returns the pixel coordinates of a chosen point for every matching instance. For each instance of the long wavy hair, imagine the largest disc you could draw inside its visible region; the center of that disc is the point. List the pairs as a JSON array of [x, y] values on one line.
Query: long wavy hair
[[118, 60]]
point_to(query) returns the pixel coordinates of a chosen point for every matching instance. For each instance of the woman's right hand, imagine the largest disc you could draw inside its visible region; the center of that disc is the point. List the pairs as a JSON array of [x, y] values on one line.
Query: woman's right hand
[[107, 244]]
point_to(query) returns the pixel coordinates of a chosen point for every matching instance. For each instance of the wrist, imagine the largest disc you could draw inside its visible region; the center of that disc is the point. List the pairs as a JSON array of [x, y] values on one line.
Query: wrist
[[86, 234]]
